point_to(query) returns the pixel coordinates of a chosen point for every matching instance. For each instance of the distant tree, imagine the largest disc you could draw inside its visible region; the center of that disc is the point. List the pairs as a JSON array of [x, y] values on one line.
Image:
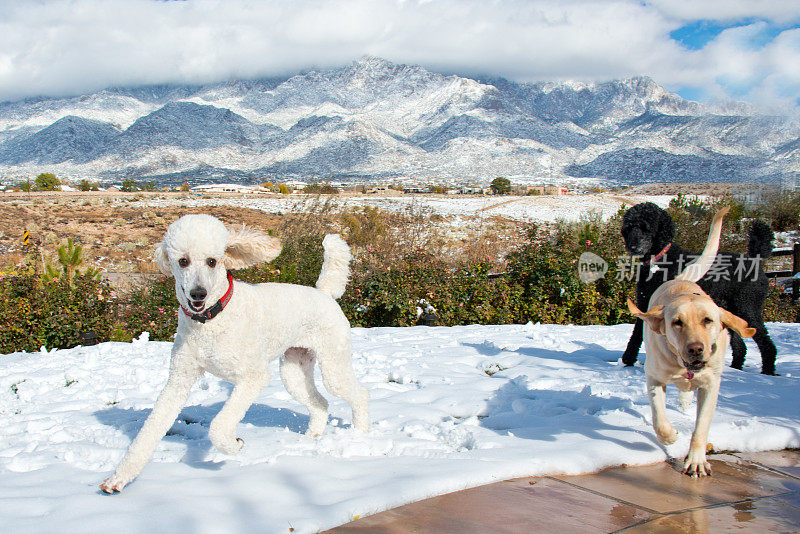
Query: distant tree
[[147, 186], [47, 181], [26, 186], [86, 185], [185, 186], [284, 189], [129, 185], [321, 188], [500, 186]]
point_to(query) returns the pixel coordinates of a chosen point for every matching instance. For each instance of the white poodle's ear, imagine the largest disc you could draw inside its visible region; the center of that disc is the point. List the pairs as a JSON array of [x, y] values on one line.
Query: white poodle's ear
[[162, 260], [248, 247]]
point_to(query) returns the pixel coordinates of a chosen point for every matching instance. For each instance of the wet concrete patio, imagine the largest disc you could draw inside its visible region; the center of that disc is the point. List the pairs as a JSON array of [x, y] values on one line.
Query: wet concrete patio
[[748, 492]]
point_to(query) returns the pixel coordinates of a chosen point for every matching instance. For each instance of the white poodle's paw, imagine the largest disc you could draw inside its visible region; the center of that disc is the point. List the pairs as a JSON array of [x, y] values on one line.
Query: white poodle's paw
[[316, 424], [225, 441], [361, 424], [696, 464], [666, 434], [114, 483], [310, 433], [229, 446]]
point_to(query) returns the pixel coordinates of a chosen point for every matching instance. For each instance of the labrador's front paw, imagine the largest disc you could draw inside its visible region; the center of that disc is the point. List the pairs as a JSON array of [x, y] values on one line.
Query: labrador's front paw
[[114, 483], [666, 434], [696, 464]]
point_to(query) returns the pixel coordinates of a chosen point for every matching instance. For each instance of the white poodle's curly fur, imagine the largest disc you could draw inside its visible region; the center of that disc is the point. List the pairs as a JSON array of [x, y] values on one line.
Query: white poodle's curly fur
[[261, 322]]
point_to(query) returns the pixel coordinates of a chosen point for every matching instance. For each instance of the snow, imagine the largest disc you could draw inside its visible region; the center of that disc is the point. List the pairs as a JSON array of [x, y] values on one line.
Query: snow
[[540, 208], [451, 408]]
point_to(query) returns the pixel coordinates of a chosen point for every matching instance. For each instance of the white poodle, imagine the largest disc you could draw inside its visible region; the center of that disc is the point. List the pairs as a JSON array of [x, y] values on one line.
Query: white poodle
[[233, 330]]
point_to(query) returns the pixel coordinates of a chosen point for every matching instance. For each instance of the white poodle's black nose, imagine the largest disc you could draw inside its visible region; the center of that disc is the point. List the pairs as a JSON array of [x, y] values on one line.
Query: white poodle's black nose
[[198, 294]]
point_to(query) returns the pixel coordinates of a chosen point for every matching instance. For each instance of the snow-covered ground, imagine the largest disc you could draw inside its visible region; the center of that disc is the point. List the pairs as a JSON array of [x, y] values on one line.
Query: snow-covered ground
[[451, 408], [541, 208]]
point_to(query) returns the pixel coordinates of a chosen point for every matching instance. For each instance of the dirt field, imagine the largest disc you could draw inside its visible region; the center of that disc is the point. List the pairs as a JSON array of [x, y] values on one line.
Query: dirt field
[[115, 236]]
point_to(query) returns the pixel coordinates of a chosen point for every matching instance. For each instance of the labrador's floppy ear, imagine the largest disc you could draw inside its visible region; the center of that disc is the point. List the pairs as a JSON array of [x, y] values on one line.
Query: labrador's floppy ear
[[654, 317], [248, 247], [162, 259], [737, 324]]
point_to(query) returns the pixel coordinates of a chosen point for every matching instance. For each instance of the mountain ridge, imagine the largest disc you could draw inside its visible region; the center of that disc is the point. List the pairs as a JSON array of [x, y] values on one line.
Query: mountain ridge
[[377, 119]]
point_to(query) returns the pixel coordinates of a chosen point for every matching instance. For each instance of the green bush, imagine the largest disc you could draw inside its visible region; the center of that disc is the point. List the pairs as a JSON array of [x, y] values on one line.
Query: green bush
[[34, 313], [151, 308], [545, 271]]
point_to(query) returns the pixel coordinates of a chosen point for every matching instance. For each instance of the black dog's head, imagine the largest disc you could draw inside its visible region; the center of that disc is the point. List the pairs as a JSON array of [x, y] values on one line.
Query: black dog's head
[[646, 229]]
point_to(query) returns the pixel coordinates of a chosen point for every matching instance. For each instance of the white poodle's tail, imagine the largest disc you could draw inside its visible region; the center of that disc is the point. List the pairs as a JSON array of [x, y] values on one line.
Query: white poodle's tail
[[335, 266], [699, 267]]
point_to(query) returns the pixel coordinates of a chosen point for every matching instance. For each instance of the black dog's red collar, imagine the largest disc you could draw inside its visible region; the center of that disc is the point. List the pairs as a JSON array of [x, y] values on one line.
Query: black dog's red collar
[[214, 310], [659, 255]]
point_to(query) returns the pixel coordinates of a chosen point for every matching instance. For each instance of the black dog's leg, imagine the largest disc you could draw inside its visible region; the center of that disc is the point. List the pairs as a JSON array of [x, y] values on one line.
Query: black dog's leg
[[631, 353], [738, 349], [765, 346]]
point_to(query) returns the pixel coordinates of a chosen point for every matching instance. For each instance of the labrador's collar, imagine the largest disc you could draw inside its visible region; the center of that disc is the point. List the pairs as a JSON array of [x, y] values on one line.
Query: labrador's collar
[[214, 310]]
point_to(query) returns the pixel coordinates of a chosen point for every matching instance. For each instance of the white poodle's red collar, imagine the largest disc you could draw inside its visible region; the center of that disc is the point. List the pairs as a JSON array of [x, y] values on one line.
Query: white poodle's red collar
[[214, 310]]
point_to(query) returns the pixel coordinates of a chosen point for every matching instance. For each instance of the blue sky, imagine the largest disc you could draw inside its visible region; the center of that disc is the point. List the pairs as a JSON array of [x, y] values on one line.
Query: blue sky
[[706, 50], [697, 34]]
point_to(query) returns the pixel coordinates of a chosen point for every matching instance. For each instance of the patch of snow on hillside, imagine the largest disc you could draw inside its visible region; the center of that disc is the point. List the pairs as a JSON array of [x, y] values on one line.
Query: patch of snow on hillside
[[540, 208]]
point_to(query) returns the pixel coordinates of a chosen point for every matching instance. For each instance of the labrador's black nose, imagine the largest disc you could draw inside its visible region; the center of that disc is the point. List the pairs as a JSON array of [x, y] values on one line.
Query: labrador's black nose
[[198, 294], [695, 349]]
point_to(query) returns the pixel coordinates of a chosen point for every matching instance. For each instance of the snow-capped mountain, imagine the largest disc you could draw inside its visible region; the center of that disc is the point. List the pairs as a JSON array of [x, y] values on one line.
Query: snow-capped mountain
[[378, 119]]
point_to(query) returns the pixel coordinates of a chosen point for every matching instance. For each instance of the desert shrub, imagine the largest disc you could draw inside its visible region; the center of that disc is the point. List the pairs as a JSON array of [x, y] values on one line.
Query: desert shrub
[[365, 226], [782, 210], [692, 217]]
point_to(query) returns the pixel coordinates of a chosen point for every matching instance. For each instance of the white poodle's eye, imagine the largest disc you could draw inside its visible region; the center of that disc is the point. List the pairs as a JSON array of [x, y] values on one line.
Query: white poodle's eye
[[211, 262], [183, 262]]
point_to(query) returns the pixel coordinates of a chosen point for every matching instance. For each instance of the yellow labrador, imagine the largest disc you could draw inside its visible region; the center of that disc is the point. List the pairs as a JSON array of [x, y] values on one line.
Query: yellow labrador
[[686, 343]]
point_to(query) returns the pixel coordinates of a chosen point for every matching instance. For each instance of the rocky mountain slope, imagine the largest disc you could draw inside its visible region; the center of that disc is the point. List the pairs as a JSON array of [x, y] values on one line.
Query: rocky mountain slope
[[376, 119]]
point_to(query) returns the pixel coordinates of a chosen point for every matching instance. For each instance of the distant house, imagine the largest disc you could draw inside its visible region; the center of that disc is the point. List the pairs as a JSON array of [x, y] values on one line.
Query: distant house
[[544, 190], [472, 190], [295, 184], [223, 188], [791, 181]]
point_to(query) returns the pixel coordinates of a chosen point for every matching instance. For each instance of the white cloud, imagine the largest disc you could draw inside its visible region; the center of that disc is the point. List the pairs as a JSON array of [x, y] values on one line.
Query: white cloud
[[65, 47], [781, 11]]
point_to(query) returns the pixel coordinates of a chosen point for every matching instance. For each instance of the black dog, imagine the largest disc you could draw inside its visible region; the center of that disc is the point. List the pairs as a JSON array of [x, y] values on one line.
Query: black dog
[[735, 282]]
